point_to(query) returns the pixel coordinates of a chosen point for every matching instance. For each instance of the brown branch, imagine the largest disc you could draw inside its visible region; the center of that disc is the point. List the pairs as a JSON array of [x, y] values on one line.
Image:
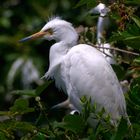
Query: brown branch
[[120, 50]]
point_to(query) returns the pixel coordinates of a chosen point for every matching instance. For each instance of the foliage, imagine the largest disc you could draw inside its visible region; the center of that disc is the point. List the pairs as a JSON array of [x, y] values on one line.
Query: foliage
[[26, 100], [71, 127]]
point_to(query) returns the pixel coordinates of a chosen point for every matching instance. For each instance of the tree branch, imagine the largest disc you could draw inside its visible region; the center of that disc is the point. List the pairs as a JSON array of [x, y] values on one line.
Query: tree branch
[[117, 49]]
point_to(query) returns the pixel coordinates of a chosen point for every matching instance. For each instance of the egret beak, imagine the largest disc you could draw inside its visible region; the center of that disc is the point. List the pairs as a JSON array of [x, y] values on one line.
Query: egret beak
[[34, 36]]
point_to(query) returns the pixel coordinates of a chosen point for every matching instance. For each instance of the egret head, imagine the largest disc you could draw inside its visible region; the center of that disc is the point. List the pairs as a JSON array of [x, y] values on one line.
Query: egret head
[[100, 9], [56, 29]]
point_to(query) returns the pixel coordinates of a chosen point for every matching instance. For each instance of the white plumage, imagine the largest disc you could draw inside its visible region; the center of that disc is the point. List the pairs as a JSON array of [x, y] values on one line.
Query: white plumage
[[81, 70], [102, 25]]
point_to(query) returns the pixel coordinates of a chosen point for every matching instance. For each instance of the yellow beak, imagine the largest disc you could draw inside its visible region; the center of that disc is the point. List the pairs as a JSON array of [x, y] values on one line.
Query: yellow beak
[[34, 36]]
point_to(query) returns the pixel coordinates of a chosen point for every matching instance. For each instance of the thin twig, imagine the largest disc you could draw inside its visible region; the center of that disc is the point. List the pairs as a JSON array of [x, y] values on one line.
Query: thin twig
[[117, 49]]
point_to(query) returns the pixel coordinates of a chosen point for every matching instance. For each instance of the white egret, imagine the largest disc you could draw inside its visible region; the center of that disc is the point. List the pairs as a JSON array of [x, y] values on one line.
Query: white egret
[[103, 22], [81, 70]]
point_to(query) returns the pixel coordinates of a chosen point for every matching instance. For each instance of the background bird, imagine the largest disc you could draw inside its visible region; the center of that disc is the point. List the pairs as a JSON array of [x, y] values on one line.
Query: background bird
[[81, 70], [102, 25]]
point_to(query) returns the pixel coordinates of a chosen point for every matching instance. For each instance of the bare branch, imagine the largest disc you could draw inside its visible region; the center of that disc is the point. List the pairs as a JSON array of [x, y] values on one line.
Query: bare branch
[[120, 50]]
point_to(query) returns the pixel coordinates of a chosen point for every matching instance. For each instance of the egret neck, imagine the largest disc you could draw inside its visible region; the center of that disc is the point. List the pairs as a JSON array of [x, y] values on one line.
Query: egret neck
[[64, 42], [103, 22]]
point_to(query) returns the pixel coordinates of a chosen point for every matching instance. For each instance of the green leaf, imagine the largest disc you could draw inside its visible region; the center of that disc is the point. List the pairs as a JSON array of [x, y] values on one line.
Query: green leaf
[[4, 113], [136, 129], [133, 42], [121, 131], [8, 126], [24, 126], [2, 136], [72, 123], [137, 60], [136, 20], [41, 88], [134, 94], [131, 36], [88, 3], [133, 2], [39, 136], [21, 106], [24, 92], [120, 72]]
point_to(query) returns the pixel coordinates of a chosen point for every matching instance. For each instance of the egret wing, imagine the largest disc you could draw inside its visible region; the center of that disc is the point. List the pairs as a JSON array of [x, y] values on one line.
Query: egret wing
[[89, 74]]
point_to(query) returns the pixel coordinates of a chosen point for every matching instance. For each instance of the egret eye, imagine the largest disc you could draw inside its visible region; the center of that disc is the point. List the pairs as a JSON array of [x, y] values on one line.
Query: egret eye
[[49, 31]]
